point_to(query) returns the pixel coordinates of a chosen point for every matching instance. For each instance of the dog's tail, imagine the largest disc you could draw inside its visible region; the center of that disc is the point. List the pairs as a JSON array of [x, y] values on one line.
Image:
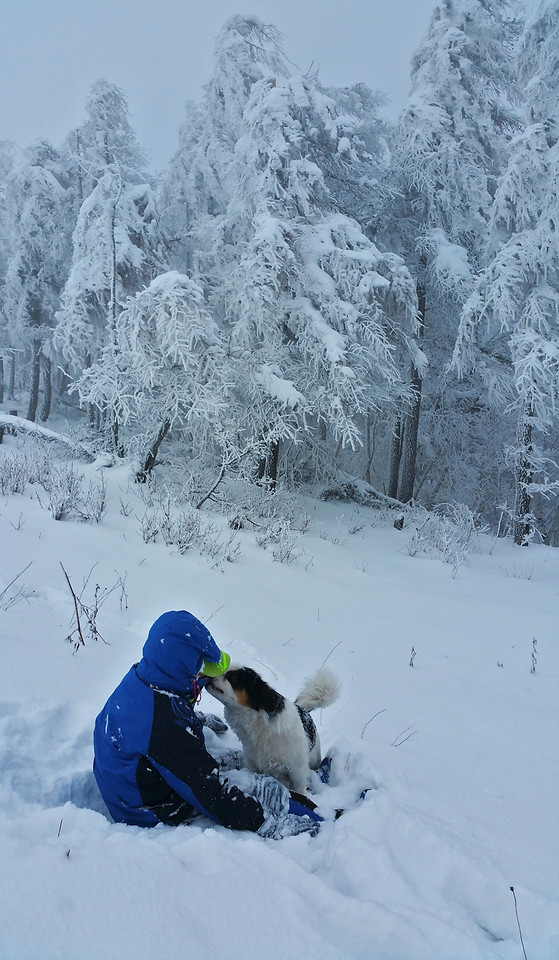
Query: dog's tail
[[320, 690]]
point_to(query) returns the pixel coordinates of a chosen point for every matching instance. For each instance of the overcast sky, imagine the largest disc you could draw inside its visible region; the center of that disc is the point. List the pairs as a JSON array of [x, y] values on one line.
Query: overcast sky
[[160, 53]]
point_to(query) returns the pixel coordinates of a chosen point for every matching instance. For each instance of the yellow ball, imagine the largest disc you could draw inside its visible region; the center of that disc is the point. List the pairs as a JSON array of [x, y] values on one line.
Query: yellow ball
[[216, 669]]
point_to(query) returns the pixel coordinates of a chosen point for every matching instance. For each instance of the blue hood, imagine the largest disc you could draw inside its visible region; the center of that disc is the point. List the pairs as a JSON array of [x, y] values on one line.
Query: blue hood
[[173, 653]]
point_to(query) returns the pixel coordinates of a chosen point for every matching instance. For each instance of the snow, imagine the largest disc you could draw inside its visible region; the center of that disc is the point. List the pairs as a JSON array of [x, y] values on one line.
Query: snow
[[278, 387], [460, 750]]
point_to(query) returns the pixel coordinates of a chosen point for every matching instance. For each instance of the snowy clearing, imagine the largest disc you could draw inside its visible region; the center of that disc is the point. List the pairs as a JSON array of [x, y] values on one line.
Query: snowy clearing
[[448, 711]]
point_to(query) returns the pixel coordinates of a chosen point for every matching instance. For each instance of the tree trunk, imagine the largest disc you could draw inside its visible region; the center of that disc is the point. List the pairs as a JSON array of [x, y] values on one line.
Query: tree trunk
[[411, 422], [368, 451], [151, 456], [268, 466], [273, 463], [395, 459], [35, 381], [523, 528], [115, 434], [409, 441], [12, 380], [47, 382]]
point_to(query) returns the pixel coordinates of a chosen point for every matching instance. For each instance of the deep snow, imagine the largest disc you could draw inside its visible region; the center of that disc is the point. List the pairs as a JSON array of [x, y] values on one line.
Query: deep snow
[[461, 748]]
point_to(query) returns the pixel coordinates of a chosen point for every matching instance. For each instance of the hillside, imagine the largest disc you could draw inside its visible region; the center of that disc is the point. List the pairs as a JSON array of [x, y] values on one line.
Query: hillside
[[448, 711]]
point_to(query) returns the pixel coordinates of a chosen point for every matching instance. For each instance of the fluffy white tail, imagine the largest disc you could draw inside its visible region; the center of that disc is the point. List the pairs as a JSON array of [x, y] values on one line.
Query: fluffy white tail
[[320, 690]]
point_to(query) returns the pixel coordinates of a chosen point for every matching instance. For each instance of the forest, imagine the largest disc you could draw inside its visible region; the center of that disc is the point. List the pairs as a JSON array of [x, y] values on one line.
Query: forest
[[309, 294]]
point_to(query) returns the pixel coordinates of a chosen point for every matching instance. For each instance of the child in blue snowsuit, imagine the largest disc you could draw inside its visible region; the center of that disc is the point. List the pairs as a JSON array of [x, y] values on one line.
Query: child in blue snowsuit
[[151, 763]]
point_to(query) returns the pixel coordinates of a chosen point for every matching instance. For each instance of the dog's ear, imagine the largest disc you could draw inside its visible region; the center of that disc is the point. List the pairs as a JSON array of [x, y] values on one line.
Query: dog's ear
[[264, 697], [259, 694]]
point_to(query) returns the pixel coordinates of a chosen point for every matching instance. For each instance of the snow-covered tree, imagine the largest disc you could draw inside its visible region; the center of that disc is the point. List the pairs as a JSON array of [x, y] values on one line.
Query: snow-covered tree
[[196, 189], [167, 366], [179, 196], [8, 156], [309, 293], [355, 171], [116, 249], [37, 206], [105, 139], [510, 324], [117, 245], [311, 307], [447, 154]]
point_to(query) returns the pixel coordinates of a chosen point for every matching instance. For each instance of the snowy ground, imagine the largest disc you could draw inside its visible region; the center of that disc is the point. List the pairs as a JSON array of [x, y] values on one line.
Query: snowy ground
[[461, 748]]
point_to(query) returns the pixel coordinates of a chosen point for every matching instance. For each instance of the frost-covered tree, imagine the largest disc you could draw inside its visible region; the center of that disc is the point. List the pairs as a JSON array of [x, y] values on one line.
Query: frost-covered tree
[[8, 157], [355, 171], [116, 249], [37, 207], [179, 195], [105, 139], [311, 307], [117, 245], [310, 294], [448, 152], [510, 324], [196, 189], [168, 366]]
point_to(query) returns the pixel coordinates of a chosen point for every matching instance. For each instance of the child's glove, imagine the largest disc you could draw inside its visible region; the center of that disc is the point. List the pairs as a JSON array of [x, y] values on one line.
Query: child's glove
[[288, 825], [285, 815], [212, 722]]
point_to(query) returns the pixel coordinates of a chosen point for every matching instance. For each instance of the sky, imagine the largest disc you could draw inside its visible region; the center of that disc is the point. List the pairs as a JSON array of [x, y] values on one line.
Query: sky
[[459, 752], [161, 55]]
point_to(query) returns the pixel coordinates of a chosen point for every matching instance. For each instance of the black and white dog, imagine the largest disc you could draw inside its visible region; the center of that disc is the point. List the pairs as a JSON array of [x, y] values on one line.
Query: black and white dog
[[279, 736]]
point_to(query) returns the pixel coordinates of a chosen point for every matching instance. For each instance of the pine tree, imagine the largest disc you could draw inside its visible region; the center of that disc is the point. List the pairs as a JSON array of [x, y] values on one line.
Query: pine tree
[[8, 158], [117, 244], [311, 307], [37, 205], [510, 324], [447, 154], [167, 367]]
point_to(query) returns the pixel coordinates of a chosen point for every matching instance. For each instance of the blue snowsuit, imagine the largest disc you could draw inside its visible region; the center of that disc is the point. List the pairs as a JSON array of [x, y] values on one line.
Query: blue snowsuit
[[151, 762]]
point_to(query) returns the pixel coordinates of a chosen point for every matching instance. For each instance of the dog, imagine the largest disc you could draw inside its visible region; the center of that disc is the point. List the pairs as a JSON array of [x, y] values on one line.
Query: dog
[[279, 736]]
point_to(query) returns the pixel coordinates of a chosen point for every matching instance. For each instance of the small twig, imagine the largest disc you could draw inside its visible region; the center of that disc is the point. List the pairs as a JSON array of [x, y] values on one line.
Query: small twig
[[518, 922], [60, 827], [213, 489], [207, 620], [371, 720], [331, 652], [19, 523], [5, 590], [534, 655], [88, 578], [75, 599], [398, 742], [265, 665], [88, 614]]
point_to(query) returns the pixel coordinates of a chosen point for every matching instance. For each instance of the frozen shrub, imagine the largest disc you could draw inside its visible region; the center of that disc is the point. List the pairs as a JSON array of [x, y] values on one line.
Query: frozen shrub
[[448, 532], [64, 490], [14, 474], [149, 526], [280, 536], [67, 499]]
